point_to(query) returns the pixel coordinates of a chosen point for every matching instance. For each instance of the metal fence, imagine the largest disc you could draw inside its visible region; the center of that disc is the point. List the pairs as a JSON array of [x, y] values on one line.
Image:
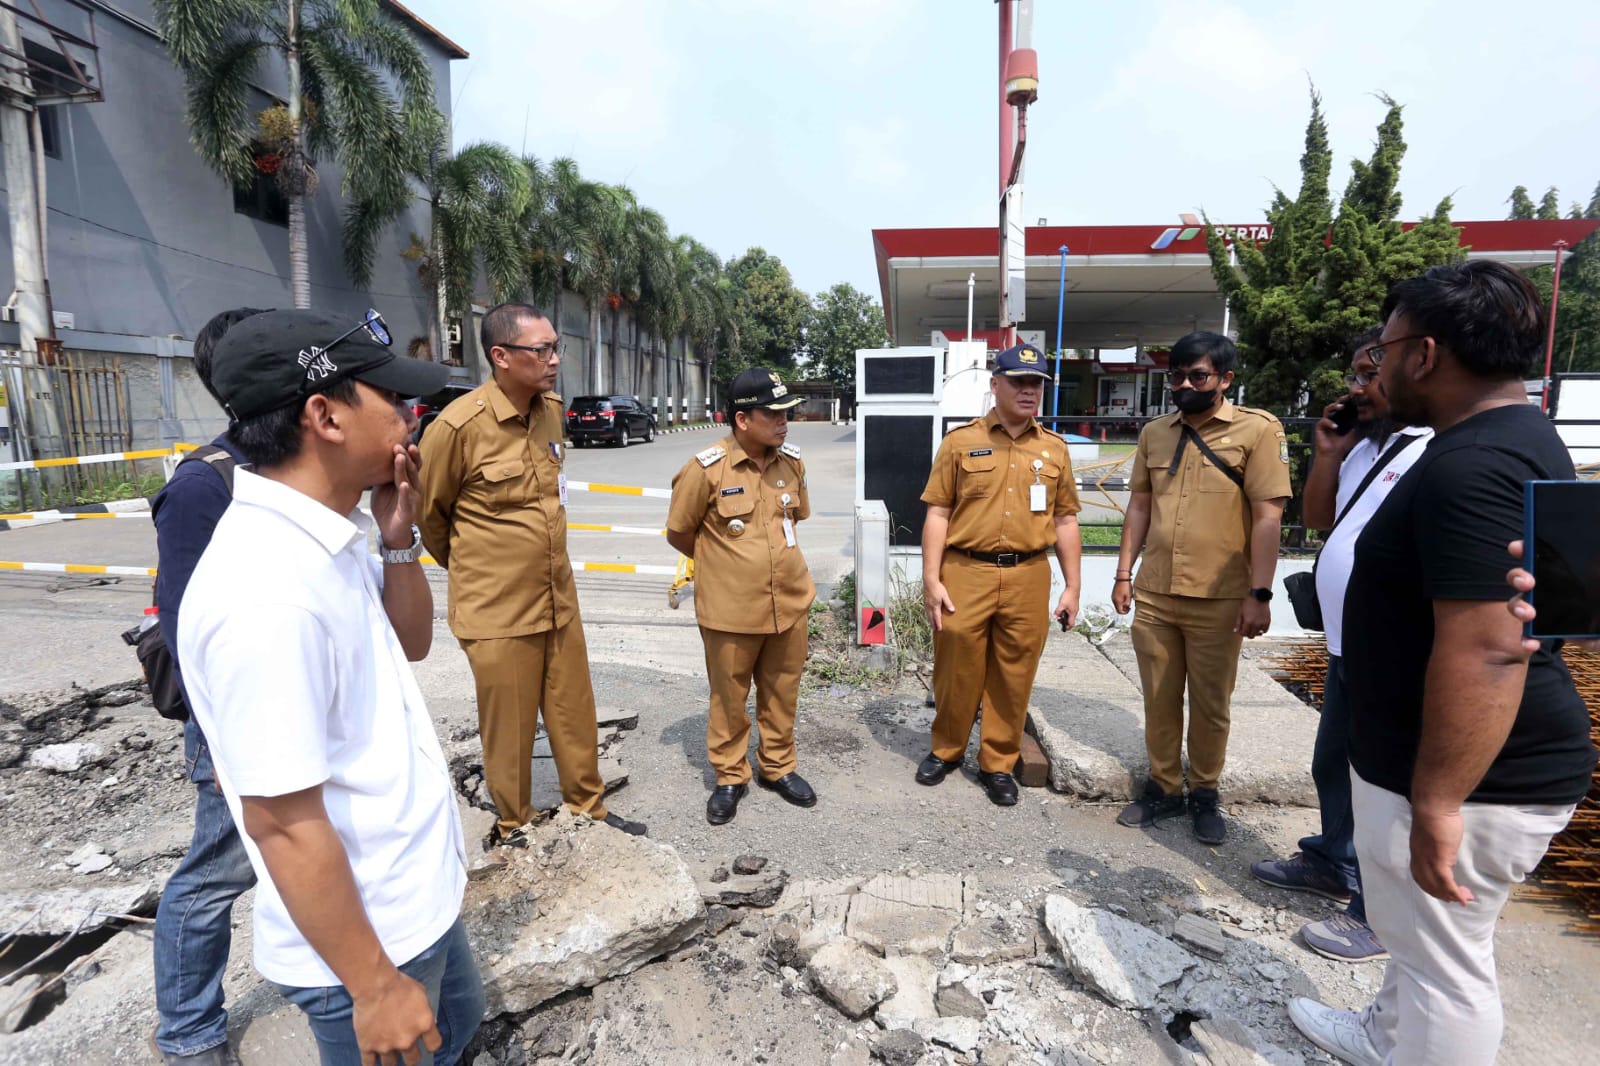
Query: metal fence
[[62, 404]]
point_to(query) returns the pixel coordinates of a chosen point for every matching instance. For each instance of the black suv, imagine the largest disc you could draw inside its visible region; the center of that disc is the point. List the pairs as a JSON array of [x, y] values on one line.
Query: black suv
[[609, 418], [427, 408]]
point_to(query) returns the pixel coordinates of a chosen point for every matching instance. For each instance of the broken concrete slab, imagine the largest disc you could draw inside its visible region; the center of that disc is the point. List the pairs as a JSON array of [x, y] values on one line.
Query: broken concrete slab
[[66, 758], [17, 1000], [75, 910], [1225, 1042], [1083, 770], [913, 1000], [583, 903], [994, 938], [958, 999], [906, 915], [958, 1034], [546, 788], [1123, 961], [740, 890], [851, 977], [898, 1047], [1200, 935]]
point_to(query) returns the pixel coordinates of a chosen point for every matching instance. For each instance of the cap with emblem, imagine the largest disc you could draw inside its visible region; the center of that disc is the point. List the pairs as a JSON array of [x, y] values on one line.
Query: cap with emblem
[[759, 387], [278, 358], [1022, 360]]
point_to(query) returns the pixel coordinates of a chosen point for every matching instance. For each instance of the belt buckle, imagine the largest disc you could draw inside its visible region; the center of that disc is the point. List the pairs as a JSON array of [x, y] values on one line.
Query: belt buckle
[[1007, 559]]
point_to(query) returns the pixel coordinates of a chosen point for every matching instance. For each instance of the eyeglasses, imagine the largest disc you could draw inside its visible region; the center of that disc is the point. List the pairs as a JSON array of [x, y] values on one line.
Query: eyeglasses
[[1376, 352], [541, 352], [1198, 378], [373, 323], [1360, 380]]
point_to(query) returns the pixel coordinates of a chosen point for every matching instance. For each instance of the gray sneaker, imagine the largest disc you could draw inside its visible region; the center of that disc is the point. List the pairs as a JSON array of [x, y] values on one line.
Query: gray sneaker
[[1343, 939], [1338, 1032]]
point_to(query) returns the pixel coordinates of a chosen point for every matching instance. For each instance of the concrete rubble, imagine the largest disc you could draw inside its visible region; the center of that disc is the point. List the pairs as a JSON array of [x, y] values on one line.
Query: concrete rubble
[[535, 926], [1121, 960], [851, 977]]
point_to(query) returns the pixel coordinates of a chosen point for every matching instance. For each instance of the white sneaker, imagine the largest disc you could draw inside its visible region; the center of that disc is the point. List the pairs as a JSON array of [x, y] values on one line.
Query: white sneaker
[[1338, 1032]]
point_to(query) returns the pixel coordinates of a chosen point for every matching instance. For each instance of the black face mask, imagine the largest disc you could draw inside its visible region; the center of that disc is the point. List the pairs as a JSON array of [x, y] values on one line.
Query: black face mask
[[1193, 401]]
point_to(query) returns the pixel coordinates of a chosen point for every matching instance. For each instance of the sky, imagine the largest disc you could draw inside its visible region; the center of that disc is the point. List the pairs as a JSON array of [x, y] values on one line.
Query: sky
[[802, 126]]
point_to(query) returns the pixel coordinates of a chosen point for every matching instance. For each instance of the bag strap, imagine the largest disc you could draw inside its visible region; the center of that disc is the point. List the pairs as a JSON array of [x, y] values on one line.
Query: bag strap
[[1405, 441], [1189, 433], [219, 459]]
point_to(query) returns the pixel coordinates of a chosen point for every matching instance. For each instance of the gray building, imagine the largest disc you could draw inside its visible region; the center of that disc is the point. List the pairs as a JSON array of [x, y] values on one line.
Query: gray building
[[144, 242]]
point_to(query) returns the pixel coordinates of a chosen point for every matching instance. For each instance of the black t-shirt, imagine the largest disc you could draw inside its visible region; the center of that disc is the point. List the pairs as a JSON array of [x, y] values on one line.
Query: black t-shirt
[[1442, 534]]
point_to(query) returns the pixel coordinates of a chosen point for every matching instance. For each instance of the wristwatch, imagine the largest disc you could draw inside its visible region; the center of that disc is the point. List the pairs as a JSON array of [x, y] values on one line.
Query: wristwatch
[[1261, 595], [404, 555]]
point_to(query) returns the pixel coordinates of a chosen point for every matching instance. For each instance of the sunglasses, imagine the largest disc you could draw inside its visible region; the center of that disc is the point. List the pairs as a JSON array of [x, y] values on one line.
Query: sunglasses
[[1196, 378], [373, 323]]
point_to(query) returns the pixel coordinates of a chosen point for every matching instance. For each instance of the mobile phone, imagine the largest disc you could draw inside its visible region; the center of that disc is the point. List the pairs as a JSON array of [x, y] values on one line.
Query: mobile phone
[[1561, 549], [1346, 417]]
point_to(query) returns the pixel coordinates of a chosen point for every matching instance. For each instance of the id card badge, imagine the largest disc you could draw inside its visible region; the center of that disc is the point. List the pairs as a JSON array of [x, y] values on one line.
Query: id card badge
[[788, 523], [561, 486], [1036, 501]]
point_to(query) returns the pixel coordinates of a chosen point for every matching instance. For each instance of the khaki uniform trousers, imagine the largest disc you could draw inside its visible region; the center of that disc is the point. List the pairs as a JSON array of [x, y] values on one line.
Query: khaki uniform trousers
[[775, 662], [518, 678], [990, 647], [1186, 640]]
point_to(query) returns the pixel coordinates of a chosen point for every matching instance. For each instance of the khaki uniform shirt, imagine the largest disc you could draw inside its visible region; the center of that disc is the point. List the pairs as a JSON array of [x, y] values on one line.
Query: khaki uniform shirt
[[746, 577], [490, 511], [1199, 539], [985, 478]]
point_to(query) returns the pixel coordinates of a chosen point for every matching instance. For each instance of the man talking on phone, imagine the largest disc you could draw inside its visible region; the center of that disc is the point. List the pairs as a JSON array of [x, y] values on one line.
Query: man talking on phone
[[1467, 753], [1361, 454]]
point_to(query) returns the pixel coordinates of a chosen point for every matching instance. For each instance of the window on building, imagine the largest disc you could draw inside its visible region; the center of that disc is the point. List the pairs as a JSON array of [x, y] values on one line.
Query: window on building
[[50, 131], [262, 199]]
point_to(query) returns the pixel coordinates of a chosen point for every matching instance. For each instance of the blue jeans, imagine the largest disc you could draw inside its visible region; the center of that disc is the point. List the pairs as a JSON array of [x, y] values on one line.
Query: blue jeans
[[1334, 849], [193, 924], [455, 992]]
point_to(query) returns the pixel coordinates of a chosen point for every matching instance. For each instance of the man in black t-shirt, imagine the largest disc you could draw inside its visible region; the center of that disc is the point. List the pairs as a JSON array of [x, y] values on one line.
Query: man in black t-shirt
[[1467, 752]]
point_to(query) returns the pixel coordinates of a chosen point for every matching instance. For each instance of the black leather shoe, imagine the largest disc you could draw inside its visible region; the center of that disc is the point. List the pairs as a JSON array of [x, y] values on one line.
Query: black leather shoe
[[1151, 807], [724, 803], [791, 787], [933, 769], [1002, 788], [633, 829]]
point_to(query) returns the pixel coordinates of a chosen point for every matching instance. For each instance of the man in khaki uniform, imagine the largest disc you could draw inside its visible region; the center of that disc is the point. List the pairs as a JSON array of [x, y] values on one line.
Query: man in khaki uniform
[[734, 510], [494, 512], [1000, 495], [1209, 485]]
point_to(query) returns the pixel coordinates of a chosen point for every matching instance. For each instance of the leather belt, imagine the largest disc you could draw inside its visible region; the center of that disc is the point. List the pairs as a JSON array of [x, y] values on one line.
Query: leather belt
[[998, 558]]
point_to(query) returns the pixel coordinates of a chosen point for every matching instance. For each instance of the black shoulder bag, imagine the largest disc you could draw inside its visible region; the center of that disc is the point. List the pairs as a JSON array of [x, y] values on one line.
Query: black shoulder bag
[[150, 645], [1302, 585]]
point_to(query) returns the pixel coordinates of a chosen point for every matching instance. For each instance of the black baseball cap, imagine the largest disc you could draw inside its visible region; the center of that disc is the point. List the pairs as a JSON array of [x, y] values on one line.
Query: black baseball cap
[[759, 387], [1020, 361], [278, 358]]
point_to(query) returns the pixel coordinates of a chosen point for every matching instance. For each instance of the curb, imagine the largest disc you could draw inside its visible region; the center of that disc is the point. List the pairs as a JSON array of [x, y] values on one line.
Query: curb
[[139, 505]]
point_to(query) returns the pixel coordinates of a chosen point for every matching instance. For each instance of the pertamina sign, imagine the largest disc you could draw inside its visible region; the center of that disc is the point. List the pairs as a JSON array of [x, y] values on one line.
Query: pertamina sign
[[1256, 232]]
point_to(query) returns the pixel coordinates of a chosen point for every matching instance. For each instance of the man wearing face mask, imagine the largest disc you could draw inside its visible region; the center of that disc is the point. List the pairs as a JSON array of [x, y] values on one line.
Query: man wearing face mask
[[1209, 485]]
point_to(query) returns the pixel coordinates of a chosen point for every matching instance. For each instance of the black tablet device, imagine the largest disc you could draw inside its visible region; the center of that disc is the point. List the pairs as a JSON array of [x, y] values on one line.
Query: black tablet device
[[1561, 548]]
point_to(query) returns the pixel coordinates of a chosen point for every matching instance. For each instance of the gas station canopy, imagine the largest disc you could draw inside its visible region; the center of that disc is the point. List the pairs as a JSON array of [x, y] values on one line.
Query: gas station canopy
[[1127, 286]]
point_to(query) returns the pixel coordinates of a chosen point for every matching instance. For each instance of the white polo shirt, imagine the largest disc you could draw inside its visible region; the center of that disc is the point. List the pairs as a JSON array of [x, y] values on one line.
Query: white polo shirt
[[1338, 555], [297, 679]]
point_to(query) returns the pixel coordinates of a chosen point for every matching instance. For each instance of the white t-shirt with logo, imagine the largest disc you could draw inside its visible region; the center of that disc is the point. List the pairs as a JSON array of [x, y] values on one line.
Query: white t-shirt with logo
[[297, 679], [1338, 556]]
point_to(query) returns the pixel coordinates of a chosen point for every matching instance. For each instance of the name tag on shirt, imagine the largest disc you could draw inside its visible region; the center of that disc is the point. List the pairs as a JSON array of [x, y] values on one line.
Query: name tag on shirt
[[561, 487], [788, 531], [1036, 497]]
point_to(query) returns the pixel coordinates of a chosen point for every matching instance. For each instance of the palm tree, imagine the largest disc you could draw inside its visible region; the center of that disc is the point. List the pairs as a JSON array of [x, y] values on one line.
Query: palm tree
[[478, 198], [572, 230], [338, 56]]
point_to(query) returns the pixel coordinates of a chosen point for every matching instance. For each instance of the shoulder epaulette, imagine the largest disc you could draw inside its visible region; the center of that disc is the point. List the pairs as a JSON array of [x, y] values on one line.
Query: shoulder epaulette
[[790, 450], [1258, 412], [553, 397], [711, 455], [464, 409]]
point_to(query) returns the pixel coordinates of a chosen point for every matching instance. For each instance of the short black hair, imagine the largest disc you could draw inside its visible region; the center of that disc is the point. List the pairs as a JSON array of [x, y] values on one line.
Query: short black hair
[[504, 321], [1365, 339], [1488, 314], [1193, 347], [205, 342], [274, 437]]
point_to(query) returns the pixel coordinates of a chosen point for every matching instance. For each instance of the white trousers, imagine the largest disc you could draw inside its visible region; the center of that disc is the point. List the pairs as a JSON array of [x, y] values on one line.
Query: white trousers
[[1440, 1002]]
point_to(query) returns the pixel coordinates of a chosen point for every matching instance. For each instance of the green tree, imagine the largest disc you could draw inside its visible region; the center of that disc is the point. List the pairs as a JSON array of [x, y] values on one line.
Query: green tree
[[843, 319], [1299, 299], [770, 312], [1549, 205], [340, 59], [1521, 204], [478, 198], [1577, 334]]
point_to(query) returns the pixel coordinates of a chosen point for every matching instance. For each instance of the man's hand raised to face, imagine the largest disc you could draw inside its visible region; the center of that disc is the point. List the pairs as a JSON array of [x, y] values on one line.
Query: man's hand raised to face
[[394, 503]]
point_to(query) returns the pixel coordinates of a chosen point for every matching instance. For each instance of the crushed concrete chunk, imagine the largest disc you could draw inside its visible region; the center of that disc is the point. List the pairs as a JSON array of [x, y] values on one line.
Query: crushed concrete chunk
[[913, 999], [738, 889], [898, 1047], [906, 915], [66, 758], [1200, 935], [851, 977], [959, 1034], [1121, 960], [76, 910]]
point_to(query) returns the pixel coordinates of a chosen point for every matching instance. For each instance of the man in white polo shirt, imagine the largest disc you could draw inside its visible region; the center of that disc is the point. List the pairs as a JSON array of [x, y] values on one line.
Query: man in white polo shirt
[[1351, 476], [295, 641]]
